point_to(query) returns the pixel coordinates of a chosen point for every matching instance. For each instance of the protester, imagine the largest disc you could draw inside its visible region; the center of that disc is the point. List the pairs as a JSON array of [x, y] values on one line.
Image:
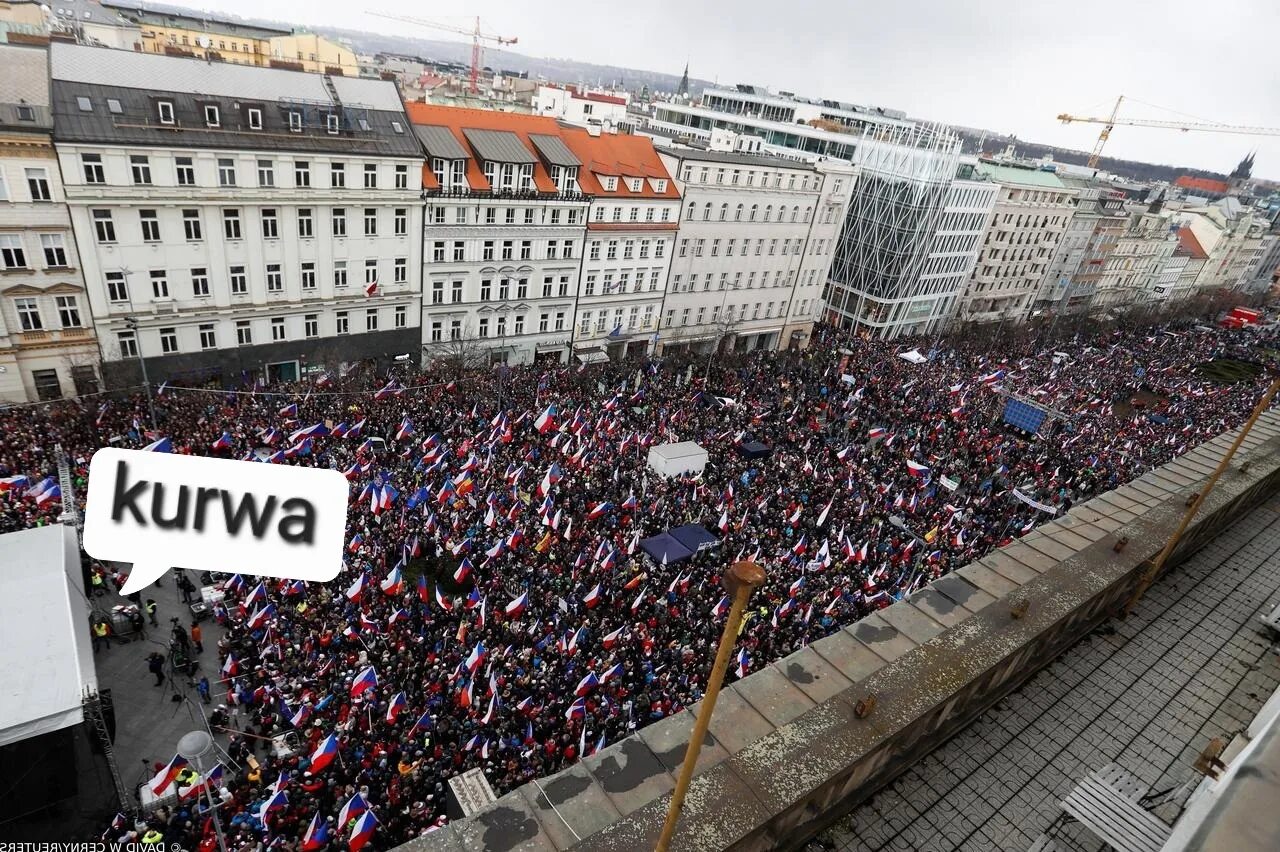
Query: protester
[[495, 609]]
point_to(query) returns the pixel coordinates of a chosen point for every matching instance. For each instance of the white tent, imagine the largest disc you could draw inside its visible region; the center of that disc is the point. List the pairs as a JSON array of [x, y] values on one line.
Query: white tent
[[48, 658], [913, 355], [679, 459]]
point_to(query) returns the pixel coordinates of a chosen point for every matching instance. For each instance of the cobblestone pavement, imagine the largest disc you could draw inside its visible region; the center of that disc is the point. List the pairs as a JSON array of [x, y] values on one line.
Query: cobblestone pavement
[[1147, 693]]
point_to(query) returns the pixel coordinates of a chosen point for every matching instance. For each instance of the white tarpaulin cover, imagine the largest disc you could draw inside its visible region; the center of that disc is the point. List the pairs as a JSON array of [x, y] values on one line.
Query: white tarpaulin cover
[[48, 658], [679, 459], [913, 355]]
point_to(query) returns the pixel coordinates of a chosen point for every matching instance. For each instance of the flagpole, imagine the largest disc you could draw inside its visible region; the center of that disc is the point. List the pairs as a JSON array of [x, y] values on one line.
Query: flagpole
[[740, 581]]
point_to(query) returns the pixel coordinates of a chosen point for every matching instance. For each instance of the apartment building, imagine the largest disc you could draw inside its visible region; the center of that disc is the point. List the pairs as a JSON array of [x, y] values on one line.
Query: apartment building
[[631, 232], [505, 226], [172, 33], [1230, 235], [1132, 270], [1032, 212], [237, 220], [1071, 280], [907, 179], [47, 346], [757, 236], [584, 107]]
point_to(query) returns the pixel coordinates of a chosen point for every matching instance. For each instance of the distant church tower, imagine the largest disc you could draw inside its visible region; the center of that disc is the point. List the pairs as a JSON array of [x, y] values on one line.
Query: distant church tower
[[1241, 174], [683, 88]]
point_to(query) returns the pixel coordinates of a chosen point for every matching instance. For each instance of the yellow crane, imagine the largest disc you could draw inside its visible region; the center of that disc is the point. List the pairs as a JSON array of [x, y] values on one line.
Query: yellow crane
[[476, 37], [1109, 123]]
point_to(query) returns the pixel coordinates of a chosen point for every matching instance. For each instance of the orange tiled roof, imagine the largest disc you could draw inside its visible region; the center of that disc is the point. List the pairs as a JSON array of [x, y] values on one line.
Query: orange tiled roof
[[457, 119], [618, 154], [1188, 243], [1217, 187]]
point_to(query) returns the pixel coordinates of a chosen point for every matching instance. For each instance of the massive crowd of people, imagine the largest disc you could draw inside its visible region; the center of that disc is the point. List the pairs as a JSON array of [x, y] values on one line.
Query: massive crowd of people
[[495, 610]]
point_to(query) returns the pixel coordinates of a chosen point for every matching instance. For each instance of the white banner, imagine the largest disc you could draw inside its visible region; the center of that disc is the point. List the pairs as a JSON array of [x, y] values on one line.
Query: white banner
[[948, 483], [1052, 510]]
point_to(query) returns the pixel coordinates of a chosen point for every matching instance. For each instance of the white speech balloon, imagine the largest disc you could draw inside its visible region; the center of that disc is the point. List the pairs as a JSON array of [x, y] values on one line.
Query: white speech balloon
[[215, 489]]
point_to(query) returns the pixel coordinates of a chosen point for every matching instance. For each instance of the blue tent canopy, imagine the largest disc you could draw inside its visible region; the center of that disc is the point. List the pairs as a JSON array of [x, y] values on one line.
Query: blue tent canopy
[[694, 537], [664, 547]]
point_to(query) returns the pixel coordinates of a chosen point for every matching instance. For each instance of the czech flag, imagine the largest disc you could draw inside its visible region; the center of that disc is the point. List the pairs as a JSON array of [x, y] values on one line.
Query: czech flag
[[166, 776], [229, 668], [317, 834], [356, 588], [878, 432], [11, 482], [324, 753], [424, 594], [223, 442], [611, 639], [546, 421], [587, 684], [366, 680], [424, 723], [404, 430], [475, 658], [290, 410], [517, 606], [393, 585], [317, 431], [599, 509], [721, 609], [444, 603], [261, 616], [463, 570], [398, 703], [577, 710], [917, 470], [592, 597], [354, 807], [610, 673], [164, 445], [744, 663], [278, 801]]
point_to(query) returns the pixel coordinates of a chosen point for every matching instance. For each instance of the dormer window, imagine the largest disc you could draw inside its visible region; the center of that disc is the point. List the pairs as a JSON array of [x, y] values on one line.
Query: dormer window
[[26, 113], [565, 177], [635, 184], [364, 125], [295, 121], [165, 109], [659, 185], [331, 122], [450, 174], [610, 184], [212, 118], [526, 177], [255, 118]]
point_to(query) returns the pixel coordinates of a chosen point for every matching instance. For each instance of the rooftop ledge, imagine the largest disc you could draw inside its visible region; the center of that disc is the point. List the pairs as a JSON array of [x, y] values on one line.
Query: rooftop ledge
[[786, 754]]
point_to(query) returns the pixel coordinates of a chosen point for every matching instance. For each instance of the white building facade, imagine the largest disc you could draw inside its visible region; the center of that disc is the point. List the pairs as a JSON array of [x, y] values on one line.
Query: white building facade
[[47, 346], [1032, 212], [583, 107], [238, 221], [757, 235]]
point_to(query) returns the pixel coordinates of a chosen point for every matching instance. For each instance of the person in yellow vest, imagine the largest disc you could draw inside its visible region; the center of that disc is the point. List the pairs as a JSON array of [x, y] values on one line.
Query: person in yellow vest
[[101, 635], [152, 836]]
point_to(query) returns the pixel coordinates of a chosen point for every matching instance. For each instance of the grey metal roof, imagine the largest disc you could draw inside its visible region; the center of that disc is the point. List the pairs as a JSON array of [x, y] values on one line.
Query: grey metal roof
[[138, 123], [205, 23], [733, 157], [498, 146], [79, 64], [553, 150], [70, 12], [440, 142]]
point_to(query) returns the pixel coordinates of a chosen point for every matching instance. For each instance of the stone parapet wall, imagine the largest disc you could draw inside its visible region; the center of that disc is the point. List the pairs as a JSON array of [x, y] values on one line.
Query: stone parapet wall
[[786, 754]]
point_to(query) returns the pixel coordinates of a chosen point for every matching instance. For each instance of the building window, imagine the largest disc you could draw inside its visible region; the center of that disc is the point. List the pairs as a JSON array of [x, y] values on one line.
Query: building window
[[370, 175], [437, 251], [305, 228], [270, 226], [266, 173], [331, 123], [150, 226], [459, 251], [277, 329], [186, 171], [207, 338], [455, 329], [337, 175], [117, 289], [159, 284], [401, 270], [401, 221], [486, 289], [128, 344], [295, 121], [231, 224], [308, 275], [302, 174], [55, 252], [484, 327], [437, 331], [92, 165], [370, 221], [191, 224], [456, 295], [168, 340], [239, 281], [526, 249], [165, 109], [371, 272], [402, 316], [28, 314], [12, 253], [255, 118], [275, 281], [342, 324], [244, 333], [199, 282], [437, 292], [226, 172], [371, 319], [486, 251], [339, 222], [211, 117], [339, 273], [402, 177], [311, 325], [38, 183]]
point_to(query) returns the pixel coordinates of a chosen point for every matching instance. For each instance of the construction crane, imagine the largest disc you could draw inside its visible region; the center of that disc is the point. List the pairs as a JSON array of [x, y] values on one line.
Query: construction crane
[[1109, 123], [476, 37]]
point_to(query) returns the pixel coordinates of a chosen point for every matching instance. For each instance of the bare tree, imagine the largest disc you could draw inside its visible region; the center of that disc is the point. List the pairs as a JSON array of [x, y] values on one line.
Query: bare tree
[[456, 355]]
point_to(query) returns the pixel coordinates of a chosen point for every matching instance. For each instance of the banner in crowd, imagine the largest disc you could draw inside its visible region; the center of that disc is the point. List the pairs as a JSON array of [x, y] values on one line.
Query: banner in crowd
[[948, 483], [1052, 510]]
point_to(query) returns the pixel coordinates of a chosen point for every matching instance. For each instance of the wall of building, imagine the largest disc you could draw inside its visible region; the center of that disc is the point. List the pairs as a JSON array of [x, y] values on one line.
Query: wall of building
[[315, 53]]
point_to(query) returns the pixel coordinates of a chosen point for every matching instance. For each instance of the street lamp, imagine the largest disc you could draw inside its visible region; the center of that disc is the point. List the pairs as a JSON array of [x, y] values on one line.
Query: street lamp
[[194, 746], [132, 323]]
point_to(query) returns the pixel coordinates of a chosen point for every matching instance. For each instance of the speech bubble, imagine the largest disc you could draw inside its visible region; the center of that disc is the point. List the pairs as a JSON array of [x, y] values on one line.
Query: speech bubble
[[159, 509]]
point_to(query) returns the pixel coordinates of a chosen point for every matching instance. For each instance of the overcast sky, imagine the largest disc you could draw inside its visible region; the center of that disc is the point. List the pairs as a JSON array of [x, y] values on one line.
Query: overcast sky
[[1010, 66]]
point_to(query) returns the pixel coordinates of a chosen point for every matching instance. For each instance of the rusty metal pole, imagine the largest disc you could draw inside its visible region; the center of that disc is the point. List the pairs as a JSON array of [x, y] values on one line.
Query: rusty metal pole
[[740, 581], [1153, 571]]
